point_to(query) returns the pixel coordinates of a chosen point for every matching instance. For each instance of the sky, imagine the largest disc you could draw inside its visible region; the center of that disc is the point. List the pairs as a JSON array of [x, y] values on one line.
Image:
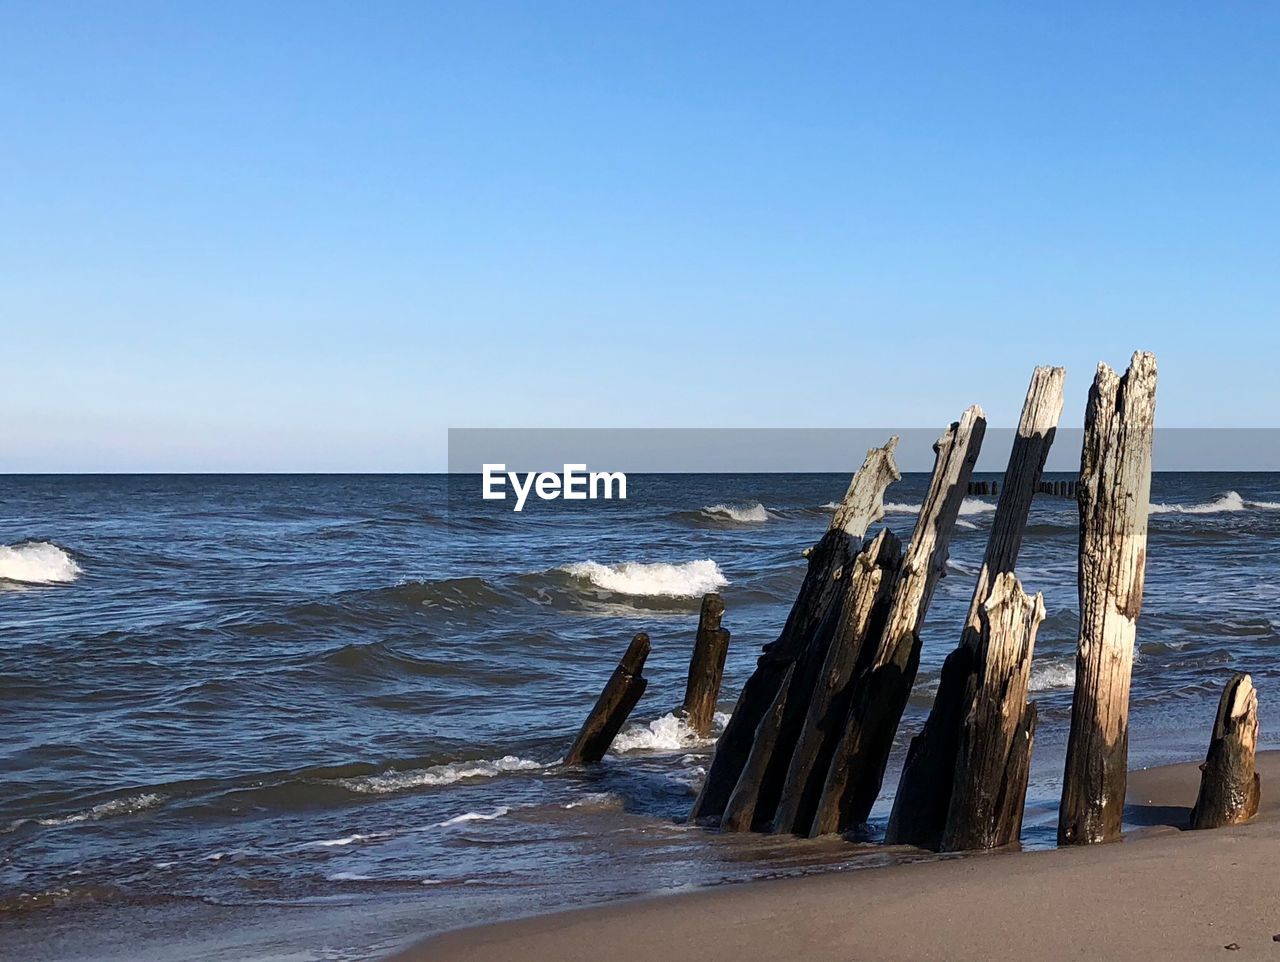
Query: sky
[[313, 237]]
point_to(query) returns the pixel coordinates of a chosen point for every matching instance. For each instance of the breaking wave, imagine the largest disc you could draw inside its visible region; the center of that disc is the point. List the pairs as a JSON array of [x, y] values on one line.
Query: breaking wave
[[1052, 675], [688, 580], [393, 781], [1228, 503], [670, 733], [37, 563], [753, 513], [117, 806], [969, 506]]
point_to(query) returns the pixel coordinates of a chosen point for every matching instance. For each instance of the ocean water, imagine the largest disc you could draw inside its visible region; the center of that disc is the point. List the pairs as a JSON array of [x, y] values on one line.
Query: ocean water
[[225, 699]]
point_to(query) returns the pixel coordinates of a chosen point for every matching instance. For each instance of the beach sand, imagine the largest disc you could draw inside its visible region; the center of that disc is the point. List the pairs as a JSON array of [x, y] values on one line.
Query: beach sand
[[1163, 893]]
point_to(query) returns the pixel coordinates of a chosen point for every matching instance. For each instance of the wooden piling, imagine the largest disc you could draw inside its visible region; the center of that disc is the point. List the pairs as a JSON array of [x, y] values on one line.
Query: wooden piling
[[994, 752], [879, 693], [861, 617], [924, 789], [1114, 495], [823, 587], [1230, 787], [706, 666], [621, 692]]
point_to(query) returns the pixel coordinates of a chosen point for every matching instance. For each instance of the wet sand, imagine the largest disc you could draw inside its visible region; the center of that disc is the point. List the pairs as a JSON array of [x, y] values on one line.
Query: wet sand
[[1163, 893]]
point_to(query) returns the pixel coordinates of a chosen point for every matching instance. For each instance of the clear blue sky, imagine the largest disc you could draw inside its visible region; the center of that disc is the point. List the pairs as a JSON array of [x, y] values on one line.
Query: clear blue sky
[[307, 236]]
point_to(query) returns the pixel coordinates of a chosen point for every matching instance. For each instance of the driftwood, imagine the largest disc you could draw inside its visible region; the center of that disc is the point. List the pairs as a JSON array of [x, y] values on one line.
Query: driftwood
[[993, 760], [1230, 787], [1114, 494], [924, 789], [823, 587], [621, 692], [879, 692], [862, 616], [706, 667]]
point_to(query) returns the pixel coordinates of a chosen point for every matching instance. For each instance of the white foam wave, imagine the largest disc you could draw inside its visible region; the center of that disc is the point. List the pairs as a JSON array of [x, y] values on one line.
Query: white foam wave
[[688, 580], [347, 840], [969, 506], [753, 513], [117, 806], [670, 733], [893, 507], [394, 781], [1227, 504], [969, 525], [1051, 675], [474, 817], [37, 563]]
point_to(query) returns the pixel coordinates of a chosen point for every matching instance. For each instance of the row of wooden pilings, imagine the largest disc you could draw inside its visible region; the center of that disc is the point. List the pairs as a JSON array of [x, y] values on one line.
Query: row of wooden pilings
[[990, 489], [806, 748]]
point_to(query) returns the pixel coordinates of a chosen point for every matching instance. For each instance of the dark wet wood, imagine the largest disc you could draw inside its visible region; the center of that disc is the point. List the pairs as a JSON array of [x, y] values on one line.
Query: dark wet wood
[[861, 616], [823, 587], [1230, 787], [994, 751], [740, 811], [612, 708], [1114, 496], [879, 692], [924, 788], [706, 667]]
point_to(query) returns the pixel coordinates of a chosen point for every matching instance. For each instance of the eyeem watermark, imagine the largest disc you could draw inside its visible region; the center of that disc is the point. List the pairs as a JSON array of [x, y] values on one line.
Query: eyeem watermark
[[575, 484]]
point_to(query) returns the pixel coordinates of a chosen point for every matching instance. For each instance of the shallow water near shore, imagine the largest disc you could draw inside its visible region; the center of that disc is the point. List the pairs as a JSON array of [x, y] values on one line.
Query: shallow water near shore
[[240, 693]]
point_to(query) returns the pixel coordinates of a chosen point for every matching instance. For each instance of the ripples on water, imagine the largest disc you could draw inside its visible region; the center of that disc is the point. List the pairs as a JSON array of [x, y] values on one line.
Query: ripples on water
[[249, 690]]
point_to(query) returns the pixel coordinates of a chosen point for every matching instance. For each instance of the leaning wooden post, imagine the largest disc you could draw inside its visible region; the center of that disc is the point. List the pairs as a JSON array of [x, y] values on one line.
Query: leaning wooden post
[[860, 622], [1230, 787], [623, 690], [924, 789], [1114, 494], [880, 691], [993, 761], [706, 667], [823, 586]]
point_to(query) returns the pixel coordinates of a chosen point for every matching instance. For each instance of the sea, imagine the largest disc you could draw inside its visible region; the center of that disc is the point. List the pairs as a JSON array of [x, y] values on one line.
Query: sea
[[304, 717]]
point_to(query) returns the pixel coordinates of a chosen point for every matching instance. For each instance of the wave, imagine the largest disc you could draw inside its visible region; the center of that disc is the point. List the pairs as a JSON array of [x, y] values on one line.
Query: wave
[[474, 817], [688, 580], [37, 563], [1229, 503], [115, 807], [753, 513], [969, 506], [394, 781], [670, 733], [1052, 675]]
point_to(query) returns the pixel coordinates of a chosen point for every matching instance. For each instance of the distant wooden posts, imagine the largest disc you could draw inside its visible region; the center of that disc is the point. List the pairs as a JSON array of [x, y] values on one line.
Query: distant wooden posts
[[706, 667], [920, 809], [1058, 489], [1230, 787], [993, 760], [879, 692], [823, 588], [623, 690], [1114, 495]]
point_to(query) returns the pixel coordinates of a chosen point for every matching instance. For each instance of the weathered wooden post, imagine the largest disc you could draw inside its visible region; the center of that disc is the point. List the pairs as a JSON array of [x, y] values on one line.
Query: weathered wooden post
[[1230, 787], [740, 810], [706, 667], [621, 692], [1114, 495], [824, 586], [924, 789], [860, 622], [879, 692], [994, 758]]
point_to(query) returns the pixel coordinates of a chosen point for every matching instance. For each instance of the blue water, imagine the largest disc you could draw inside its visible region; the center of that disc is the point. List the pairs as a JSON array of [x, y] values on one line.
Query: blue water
[[226, 693]]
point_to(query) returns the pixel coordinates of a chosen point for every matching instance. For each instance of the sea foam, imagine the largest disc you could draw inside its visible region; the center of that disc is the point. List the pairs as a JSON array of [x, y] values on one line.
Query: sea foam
[[670, 733], [688, 580], [753, 513], [394, 781], [117, 806], [37, 563], [1227, 504]]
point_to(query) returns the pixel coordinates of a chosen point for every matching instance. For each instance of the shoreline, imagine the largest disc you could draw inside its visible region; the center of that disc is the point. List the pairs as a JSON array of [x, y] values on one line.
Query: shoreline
[[1161, 893]]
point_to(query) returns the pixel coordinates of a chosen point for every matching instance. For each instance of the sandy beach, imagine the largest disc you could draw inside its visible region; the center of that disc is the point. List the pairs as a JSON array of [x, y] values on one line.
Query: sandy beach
[[1163, 893]]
